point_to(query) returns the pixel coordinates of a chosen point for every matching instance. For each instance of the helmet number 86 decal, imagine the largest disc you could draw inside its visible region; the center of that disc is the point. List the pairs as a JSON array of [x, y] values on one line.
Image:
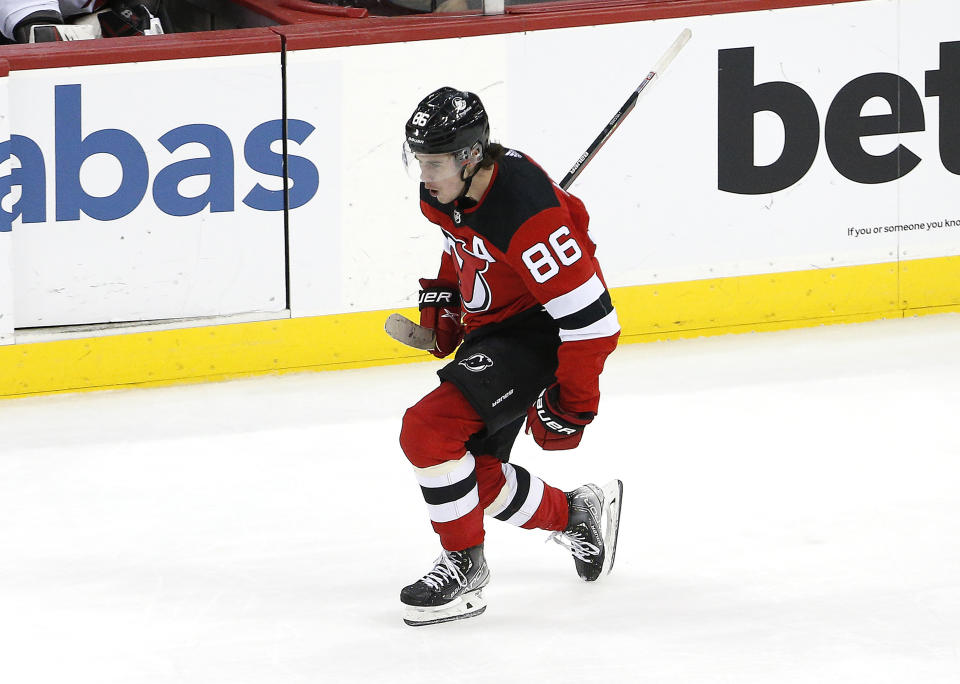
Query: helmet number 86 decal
[[540, 260], [420, 119]]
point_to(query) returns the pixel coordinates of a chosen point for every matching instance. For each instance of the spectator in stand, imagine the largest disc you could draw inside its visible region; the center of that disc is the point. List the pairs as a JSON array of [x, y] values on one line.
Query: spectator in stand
[[28, 21], [41, 21]]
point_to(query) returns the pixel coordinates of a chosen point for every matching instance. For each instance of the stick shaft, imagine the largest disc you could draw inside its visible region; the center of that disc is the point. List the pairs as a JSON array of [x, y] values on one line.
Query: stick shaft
[[627, 107]]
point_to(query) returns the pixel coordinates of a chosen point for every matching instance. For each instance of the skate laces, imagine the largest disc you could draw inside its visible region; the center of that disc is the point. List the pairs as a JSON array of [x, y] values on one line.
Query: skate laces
[[574, 542], [444, 569]]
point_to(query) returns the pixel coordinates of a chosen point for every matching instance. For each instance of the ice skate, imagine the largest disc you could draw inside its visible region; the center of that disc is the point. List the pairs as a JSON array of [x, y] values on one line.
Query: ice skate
[[592, 528], [452, 590]]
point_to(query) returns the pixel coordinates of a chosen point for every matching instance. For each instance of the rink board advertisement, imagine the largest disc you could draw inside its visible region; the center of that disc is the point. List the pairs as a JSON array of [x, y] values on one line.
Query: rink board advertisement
[[148, 191], [759, 183], [383, 243], [756, 154], [752, 155]]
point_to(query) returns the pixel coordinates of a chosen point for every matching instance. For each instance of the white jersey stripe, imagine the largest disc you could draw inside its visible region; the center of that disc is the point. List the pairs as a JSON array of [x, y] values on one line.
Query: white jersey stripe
[[606, 326], [577, 299]]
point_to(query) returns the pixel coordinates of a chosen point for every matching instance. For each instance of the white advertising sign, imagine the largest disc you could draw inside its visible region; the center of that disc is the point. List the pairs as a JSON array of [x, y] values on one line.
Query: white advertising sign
[[316, 220], [355, 246], [149, 190], [929, 39], [782, 140], [761, 150]]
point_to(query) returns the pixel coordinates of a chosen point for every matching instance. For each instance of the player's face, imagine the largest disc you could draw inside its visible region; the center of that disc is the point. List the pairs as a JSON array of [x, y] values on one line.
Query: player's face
[[446, 190], [440, 173]]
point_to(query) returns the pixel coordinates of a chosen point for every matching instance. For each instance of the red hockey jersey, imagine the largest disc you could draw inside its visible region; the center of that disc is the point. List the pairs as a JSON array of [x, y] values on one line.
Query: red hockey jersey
[[525, 243]]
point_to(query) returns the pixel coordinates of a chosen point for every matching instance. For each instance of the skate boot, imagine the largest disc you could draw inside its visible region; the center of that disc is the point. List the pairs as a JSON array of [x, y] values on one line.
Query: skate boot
[[452, 590], [592, 528]]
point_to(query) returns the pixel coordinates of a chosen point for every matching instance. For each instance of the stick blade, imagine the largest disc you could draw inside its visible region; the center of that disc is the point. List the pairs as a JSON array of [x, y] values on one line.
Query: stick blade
[[407, 332]]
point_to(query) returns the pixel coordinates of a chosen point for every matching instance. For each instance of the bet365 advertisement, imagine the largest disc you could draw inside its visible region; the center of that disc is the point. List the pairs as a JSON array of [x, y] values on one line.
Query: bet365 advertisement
[[785, 140], [795, 139]]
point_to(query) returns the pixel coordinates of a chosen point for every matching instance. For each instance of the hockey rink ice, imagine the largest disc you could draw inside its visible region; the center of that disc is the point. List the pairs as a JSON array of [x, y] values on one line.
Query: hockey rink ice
[[791, 514]]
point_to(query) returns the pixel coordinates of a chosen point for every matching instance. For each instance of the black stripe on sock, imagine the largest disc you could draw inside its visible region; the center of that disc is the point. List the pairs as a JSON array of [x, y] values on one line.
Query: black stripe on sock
[[451, 492], [519, 496]]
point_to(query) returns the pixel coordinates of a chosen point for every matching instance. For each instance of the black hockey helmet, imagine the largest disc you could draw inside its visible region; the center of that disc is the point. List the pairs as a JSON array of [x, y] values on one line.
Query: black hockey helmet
[[449, 121]]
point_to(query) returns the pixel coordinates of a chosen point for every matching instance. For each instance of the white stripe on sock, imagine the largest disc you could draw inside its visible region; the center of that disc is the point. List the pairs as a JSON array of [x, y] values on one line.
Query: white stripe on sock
[[446, 473], [532, 503], [506, 492], [455, 509]]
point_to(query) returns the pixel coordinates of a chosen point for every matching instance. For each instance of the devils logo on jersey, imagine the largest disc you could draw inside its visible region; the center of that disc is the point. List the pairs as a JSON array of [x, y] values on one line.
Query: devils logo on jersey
[[471, 264], [477, 362]]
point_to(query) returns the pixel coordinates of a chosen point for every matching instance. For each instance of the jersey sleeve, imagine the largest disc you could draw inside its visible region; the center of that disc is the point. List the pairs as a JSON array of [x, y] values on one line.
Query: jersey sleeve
[[554, 256]]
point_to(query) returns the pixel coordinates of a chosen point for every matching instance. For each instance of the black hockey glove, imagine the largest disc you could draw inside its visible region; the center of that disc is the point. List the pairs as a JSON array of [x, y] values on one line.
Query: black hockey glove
[[552, 427]]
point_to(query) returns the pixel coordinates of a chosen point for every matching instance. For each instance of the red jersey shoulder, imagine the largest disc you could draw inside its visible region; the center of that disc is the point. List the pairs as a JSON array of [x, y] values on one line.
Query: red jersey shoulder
[[520, 191]]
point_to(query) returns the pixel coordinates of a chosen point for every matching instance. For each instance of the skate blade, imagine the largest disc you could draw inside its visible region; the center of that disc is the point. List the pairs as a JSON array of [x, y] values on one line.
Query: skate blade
[[469, 605], [612, 498]]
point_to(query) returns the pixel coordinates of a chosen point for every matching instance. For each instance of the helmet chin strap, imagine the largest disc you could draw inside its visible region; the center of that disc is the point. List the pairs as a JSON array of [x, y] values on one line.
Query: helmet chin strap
[[466, 183]]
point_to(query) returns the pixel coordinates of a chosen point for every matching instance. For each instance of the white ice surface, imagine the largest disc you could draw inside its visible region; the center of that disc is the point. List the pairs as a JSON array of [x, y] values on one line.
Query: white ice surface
[[791, 514]]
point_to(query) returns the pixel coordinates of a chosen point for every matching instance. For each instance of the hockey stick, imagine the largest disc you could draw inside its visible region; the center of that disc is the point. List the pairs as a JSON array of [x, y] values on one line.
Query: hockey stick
[[402, 329], [627, 107], [413, 335]]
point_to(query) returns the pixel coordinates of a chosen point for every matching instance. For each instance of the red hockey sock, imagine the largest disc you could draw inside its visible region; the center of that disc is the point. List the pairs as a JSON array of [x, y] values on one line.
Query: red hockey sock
[[510, 493]]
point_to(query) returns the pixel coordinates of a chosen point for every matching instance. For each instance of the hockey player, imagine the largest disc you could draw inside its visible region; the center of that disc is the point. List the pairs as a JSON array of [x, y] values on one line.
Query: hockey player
[[519, 285]]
